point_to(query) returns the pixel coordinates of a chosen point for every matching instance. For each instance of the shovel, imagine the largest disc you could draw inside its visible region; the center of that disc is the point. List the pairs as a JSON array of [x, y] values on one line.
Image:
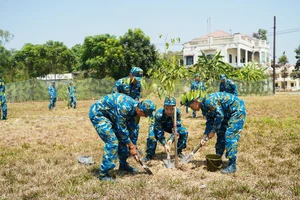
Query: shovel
[[189, 157], [145, 167], [168, 163]]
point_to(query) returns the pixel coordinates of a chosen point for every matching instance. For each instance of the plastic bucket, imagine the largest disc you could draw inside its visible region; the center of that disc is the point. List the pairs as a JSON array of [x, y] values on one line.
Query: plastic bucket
[[214, 162]]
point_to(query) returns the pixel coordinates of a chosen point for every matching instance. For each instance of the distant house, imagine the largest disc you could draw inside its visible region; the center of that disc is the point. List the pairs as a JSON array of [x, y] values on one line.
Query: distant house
[[57, 77], [285, 79], [237, 49]]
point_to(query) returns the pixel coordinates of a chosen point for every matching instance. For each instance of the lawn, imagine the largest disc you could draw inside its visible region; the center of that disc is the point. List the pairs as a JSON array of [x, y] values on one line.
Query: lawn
[[39, 150]]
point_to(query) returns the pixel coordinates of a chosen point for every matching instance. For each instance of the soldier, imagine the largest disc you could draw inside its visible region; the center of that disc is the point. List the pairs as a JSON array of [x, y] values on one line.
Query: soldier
[[227, 85], [197, 84], [164, 122], [114, 118], [130, 85], [225, 114], [3, 101], [71, 93], [52, 94]]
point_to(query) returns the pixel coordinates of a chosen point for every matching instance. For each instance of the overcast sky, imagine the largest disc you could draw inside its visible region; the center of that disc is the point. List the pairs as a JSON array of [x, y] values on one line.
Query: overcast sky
[[70, 21]]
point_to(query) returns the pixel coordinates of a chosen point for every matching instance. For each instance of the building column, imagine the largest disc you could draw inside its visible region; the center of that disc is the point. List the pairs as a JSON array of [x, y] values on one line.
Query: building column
[[238, 56], [246, 57]]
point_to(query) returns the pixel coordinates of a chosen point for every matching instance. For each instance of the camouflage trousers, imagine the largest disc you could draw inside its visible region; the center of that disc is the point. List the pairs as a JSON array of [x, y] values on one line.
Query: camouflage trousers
[[113, 145], [229, 134], [152, 140], [52, 103], [72, 101], [3, 108]]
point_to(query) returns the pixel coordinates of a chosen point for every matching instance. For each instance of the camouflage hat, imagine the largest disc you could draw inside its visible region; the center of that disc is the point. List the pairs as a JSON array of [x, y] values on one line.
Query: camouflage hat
[[170, 101], [196, 75], [222, 76], [70, 82], [52, 82], [0, 80], [147, 107], [137, 72]]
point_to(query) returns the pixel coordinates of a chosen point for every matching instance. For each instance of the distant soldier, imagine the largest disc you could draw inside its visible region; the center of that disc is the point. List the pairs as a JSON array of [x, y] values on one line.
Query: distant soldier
[[164, 122], [3, 101], [225, 116], [131, 84], [228, 85], [52, 95], [197, 84], [72, 97], [114, 118]]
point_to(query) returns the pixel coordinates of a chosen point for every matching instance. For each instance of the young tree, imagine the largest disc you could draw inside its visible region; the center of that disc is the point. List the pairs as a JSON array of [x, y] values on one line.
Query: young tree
[[282, 60]]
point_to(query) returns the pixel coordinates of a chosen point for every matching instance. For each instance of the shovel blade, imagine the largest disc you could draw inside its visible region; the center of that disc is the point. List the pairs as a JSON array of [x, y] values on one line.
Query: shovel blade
[[186, 159], [169, 163]]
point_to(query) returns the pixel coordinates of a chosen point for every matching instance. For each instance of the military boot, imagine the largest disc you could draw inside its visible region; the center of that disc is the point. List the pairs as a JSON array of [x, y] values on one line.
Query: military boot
[[231, 168]]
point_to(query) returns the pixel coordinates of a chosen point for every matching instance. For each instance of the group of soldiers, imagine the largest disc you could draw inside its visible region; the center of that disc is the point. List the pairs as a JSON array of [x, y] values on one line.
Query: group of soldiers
[[115, 117]]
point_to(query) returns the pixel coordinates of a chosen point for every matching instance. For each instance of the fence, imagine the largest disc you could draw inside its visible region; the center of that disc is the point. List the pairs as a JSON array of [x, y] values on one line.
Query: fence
[[37, 90]]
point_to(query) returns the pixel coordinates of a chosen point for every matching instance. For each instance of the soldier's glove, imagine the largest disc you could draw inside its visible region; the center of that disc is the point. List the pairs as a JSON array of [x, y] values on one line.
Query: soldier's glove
[[132, 149]]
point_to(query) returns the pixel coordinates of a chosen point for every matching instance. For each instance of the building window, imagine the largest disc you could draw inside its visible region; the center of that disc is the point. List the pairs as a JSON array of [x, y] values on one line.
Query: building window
[[292, 85], [230, 58], [189, 60], [235, 59]]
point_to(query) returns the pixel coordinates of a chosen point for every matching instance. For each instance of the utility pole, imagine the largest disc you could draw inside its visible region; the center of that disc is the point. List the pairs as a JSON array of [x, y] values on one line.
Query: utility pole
[[274, 57]]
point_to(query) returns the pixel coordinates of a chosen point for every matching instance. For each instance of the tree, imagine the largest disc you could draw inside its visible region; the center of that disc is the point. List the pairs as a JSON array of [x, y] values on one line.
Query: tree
[[297, 51], [5, 37], [77, 53], [102, 55], [261, 34], [9, 70], [211, 67], [282, 60], [138, 51]]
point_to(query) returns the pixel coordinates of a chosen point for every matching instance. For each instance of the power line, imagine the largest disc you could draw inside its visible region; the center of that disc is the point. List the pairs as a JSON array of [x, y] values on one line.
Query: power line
[[285, 31]]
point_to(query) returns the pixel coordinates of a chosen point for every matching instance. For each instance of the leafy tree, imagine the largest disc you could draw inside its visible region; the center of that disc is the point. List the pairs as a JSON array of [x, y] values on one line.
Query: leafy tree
[[102, 55], [5, 37], [211, 67], [283, 60], [250, 72], [261, 34], [297, 51], [8, 67], [77, 53], [138, 51]]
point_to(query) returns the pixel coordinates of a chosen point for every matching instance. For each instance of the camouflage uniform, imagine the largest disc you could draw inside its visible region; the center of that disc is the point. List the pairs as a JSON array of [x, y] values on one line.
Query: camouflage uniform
[[125, 86], [114, 118], [164, 123], [3, 100], [72, 97], [52, 94], [197, 85], [228, 86], [225, 115]]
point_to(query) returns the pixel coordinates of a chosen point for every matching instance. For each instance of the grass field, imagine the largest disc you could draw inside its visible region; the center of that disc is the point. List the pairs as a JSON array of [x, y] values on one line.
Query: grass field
[[39, 149]]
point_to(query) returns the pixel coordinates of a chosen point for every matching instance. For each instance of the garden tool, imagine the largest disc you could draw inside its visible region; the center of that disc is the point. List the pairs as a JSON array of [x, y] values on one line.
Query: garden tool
[[189, 157], [168, 163], [145, 167]]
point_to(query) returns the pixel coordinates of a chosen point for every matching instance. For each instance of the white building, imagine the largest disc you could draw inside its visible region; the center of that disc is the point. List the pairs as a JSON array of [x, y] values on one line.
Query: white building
[[237, 49], [285, 80]]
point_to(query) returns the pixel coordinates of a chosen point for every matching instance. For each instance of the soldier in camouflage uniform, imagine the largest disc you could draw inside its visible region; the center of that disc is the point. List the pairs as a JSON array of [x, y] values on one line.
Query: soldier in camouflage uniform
[[52, 94], [228, 85], [225, 114], [164, 122], [130, 85], [197, 84], [71, 94], [114, 118], [3, 101]]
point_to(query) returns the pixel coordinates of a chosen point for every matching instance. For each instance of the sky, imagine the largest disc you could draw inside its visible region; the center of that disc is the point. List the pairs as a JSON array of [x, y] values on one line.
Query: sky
[[70, 21]]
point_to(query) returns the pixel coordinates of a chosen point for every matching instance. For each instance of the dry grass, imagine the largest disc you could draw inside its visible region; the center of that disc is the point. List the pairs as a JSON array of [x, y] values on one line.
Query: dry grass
[[39, 149]]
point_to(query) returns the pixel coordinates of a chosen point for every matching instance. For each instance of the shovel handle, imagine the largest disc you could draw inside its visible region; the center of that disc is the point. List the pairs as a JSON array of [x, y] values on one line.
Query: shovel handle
[[199, 146], [168, 155]]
